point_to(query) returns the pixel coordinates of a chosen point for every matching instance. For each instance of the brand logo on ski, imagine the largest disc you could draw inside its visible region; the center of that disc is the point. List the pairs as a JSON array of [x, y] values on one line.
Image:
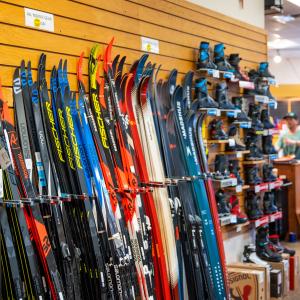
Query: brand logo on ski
[[73, 138], [181, 122], [65, 138], [100, 122], [17, 85], [54, 132]]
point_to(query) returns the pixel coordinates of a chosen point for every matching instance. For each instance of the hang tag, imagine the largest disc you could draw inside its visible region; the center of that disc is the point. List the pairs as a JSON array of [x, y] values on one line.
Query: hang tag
[[5, 161]]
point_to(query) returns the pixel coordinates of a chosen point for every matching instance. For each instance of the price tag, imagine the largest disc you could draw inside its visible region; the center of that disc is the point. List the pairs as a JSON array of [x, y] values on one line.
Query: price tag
[[150, 45], [5, 161], [239, 154], [38, 19], [231, 142], [233, 219], [216, 73], [257, 188], [239, 188]]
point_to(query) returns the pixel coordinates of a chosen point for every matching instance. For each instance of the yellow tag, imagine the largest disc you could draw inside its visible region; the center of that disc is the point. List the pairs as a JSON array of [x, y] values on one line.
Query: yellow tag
[[37, 22], [148, 47]]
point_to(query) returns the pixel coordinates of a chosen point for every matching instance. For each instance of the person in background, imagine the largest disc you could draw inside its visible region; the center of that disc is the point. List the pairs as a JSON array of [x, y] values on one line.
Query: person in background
[[289, 142]]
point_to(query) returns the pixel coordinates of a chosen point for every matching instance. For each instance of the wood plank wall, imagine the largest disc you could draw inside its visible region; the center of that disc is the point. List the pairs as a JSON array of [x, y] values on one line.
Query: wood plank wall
[[177, 24]]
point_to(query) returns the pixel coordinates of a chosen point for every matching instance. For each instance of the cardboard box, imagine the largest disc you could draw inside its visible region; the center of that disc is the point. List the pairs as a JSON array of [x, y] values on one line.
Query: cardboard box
[[251, 266], [246, 283], [276, 284], [283, 266]]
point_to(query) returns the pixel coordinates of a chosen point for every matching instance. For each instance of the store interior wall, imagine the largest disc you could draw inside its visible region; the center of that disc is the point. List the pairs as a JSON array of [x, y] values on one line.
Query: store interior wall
[[178, 25], [250, 11]]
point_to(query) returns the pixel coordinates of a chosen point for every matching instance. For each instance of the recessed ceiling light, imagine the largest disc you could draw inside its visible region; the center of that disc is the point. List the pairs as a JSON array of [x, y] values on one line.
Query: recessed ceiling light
[[283, 19], [296, 2], [276, 35], [281, 44]]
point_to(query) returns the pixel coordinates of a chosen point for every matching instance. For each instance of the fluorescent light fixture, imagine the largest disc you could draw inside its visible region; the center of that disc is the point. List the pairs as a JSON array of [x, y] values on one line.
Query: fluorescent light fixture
[[281, 44], [276, 35], [283, 19], [296, 2], [277, 58]]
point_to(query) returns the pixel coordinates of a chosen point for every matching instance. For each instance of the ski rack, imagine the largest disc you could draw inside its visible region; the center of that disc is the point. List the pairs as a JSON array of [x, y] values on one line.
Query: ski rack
[[174, 180]]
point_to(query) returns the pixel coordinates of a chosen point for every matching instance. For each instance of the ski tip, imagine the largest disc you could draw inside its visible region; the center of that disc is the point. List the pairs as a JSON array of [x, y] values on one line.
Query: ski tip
[[22, 64], [16, 73], [79, 66], [1, 93], [107, 55], [29, 65]]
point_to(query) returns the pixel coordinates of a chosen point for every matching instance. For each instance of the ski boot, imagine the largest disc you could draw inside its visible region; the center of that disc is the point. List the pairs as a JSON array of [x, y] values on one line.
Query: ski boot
[[234, 169], [221, 167], [263, 249], [274, 239], [252, 206], [222, 96], [268, 147], [236, 210], [238, 103], [254, 114], [252, 145], [204, 100], [250, 256], [252, 176], [204, 58], [216, 130], [264, 70], [222, 204], [234, 60], [220, 60], [268, 175], [265, 119], [269, 206], [233, 134]]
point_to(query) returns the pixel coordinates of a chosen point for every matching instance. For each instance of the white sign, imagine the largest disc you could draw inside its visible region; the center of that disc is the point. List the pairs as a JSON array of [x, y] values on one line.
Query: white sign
[[150, 45], [38, 19]]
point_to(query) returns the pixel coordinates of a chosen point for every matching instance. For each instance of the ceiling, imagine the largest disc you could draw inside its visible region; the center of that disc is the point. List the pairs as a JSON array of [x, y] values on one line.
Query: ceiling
[[284, 37]]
